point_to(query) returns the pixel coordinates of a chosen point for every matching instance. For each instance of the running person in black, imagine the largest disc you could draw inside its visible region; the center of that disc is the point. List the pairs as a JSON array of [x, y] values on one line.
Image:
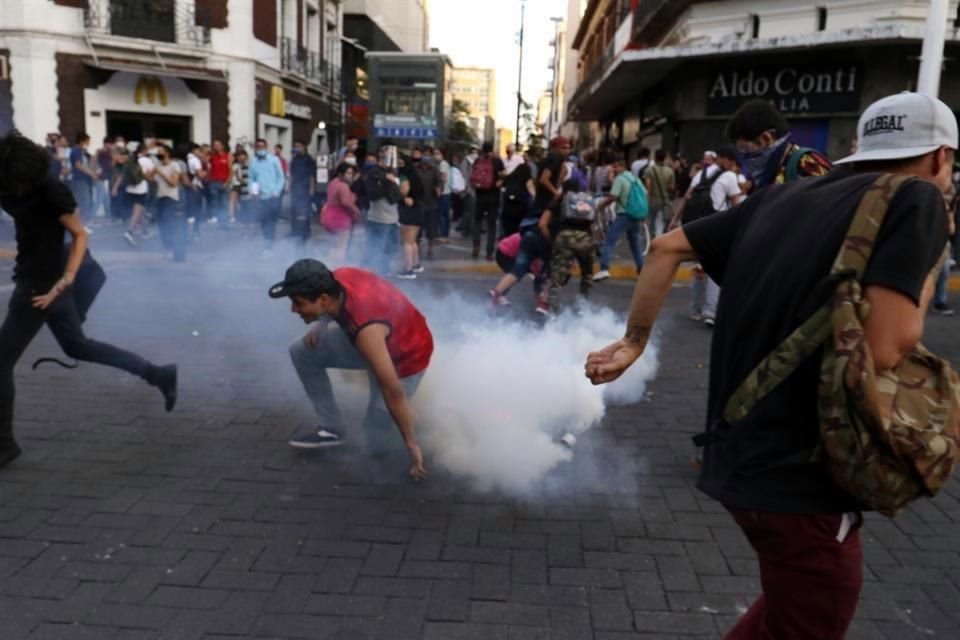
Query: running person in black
[[43, 209]]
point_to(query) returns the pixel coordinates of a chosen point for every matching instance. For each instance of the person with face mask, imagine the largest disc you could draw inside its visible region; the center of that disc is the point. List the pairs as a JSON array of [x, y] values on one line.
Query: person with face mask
[[267, 183], [340, 212], [766, 152], [359, 321], [303, 179], [350, 147]]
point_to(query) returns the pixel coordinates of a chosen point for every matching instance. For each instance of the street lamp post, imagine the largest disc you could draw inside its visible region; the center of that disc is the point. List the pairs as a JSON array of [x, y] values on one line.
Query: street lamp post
[[523, 4]]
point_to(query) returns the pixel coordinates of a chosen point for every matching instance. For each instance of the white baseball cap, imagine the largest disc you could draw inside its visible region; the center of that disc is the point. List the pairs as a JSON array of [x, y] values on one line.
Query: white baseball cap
[[905, 125]]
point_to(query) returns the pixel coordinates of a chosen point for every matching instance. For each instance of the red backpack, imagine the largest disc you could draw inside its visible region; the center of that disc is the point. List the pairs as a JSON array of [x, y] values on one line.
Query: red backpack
[[482, 175]]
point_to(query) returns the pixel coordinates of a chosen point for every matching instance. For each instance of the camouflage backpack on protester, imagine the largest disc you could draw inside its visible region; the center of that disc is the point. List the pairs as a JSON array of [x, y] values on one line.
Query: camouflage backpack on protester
[[887, 438]]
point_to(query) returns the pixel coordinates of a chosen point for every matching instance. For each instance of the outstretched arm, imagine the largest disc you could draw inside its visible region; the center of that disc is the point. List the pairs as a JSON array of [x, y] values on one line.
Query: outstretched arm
[[656, 278]]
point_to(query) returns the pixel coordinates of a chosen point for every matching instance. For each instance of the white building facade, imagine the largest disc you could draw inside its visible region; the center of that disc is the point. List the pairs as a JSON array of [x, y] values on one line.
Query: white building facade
[[669, 75], [177, 70]]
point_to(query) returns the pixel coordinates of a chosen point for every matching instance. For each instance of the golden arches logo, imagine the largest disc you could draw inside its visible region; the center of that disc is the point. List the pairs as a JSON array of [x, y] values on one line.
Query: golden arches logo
[[153, 88], [278, 100]]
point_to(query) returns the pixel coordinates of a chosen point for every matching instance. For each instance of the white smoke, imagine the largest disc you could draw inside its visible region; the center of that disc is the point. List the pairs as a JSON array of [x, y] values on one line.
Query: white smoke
[[498, 395]]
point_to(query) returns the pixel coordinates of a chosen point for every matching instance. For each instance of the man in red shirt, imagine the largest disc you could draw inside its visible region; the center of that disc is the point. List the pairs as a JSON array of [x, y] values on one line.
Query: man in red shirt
[[218, 179], [377, 329]]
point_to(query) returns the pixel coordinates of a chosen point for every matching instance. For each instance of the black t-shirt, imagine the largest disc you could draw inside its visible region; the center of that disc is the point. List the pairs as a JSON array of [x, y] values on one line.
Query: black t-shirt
[[40, 252], [302, 168], [553, 163], [771, 255]]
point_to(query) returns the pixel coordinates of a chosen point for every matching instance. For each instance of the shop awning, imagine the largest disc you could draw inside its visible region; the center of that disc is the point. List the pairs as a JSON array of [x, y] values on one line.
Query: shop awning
[[634, 71], [162, 67]]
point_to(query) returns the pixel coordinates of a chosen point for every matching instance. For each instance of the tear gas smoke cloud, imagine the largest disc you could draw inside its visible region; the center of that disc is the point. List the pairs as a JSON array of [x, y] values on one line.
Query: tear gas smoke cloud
[[498, 395]]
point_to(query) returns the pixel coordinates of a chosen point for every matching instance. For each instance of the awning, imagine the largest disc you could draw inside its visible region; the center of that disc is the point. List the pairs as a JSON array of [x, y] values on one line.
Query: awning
[[633, 71], [166, 68]]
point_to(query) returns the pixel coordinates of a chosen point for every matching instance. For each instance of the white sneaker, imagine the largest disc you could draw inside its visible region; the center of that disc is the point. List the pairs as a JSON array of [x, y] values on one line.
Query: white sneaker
[[603, 274], [709, 322], [191, 220], [129, 238], [213, 220]]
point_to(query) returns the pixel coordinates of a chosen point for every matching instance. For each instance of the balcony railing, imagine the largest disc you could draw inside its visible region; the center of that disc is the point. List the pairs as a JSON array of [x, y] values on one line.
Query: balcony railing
[[155, 20], [653, 18], [309, 65]]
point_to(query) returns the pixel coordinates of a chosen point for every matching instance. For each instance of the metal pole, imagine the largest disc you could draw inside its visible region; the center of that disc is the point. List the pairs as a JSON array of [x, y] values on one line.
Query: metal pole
[[931, 57], [520, 75]]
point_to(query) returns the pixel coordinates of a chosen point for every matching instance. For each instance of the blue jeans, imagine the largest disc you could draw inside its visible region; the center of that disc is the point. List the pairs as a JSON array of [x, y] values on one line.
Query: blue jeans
[[443, 215], [335, 351], [380, 246], [218, 201], [940, 293], [533, 245], [623, 224]]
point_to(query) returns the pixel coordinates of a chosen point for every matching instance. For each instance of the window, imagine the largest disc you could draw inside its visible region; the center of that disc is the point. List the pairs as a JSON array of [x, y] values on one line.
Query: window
[[821, 18], [754, 26]]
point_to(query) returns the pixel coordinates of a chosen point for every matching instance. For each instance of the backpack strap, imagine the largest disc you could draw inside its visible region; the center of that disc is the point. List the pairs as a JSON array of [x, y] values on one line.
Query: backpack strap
[[851, 262]]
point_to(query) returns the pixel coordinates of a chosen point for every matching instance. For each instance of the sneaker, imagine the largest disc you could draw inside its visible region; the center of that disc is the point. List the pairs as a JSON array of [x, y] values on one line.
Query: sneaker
[[147, 234], [498, 299], [129, 238], [165, 379], [407, 275], [191, 220], [603, 274], [418, 268], [317, 440], [9, 453], [942, 309], [696, 317], [213, 220], [543, 308], [710, 322]]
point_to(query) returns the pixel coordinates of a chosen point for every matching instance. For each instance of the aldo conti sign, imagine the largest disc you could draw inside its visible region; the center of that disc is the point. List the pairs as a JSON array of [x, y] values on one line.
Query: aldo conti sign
[[791, 89]]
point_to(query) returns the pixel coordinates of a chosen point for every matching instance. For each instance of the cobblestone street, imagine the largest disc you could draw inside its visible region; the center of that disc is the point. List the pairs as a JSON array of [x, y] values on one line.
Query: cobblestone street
[[122, 522]]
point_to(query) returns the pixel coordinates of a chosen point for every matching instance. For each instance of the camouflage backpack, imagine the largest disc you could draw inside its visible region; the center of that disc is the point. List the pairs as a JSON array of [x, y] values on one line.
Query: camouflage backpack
[[887, 438]]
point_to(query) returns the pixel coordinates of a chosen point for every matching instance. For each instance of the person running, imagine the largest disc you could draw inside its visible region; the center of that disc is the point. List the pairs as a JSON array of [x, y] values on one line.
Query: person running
[[44, 211], [803, 527], [136, 172], [375, 328], [626, 221]]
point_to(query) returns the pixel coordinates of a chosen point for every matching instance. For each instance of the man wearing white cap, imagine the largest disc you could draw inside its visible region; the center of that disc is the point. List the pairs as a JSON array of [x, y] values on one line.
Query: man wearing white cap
[[772, 254]]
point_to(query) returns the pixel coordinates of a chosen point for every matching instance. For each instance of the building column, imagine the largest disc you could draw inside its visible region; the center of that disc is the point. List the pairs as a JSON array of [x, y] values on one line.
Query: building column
[[242, 95], [33, 76]]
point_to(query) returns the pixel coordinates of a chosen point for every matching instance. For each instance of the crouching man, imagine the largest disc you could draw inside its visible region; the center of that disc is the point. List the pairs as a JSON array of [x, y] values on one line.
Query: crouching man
[[376, 328]]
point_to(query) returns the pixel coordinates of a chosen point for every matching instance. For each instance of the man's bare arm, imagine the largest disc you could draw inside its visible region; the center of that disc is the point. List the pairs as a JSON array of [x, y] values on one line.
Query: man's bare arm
[[895, 324]]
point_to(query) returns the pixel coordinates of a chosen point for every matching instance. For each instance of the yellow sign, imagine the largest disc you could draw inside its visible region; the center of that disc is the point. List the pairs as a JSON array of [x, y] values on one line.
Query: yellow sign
[[278, 102], [153, 87]]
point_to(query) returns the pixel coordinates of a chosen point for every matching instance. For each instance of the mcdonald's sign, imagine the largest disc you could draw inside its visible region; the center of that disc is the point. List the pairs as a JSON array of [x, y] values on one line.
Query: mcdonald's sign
[[278, 102], [153, 88]]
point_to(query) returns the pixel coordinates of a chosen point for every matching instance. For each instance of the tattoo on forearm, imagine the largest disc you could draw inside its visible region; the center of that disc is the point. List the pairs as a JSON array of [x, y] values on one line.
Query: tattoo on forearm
[[637, 334]]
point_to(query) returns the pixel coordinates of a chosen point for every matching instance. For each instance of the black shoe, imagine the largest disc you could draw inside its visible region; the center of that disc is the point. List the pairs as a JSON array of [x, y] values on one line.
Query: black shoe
[[8, 454], [165, 379], [319, 439]]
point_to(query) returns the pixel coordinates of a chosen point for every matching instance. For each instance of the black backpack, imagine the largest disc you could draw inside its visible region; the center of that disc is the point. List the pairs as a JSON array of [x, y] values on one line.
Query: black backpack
[[379, 186], [700, 204]]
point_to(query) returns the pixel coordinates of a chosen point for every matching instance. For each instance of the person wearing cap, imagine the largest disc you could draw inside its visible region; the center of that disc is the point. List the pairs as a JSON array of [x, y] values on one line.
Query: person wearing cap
[[375, 328], [771, 254], [767, 152]]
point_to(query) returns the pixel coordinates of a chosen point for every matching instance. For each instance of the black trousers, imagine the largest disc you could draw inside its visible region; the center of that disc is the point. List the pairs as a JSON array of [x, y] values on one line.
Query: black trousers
[[65, 318], [488, 206], [514, 211]]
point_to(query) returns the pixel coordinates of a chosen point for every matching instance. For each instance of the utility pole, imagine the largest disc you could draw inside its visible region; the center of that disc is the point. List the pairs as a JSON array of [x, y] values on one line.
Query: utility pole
[[931, 58], [555, 80], [523, 5]]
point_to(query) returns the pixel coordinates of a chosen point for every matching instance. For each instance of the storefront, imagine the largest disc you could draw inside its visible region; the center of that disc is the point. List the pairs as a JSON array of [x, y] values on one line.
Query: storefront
[[683, 104], [285, 115]]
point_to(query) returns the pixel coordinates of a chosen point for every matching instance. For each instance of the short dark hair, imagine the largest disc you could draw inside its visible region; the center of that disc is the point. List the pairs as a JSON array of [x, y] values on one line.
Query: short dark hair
[[108, 140], [753, 118], [24, 165], [278, 146], [259, 140], [660, 155], [727, 151], [82, 137], [643, 153], [342, 168], [487, 147]]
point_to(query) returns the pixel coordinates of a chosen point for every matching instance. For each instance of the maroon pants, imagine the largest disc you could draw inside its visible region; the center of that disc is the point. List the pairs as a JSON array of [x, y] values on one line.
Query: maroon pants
[[810, 581]]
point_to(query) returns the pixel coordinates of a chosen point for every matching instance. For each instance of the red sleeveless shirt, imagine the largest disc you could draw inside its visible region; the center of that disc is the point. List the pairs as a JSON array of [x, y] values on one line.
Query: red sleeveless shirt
[[369, 299]]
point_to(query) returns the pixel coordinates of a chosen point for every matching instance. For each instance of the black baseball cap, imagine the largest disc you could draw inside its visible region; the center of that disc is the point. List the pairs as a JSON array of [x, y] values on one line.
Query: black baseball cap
[[306, 276]]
